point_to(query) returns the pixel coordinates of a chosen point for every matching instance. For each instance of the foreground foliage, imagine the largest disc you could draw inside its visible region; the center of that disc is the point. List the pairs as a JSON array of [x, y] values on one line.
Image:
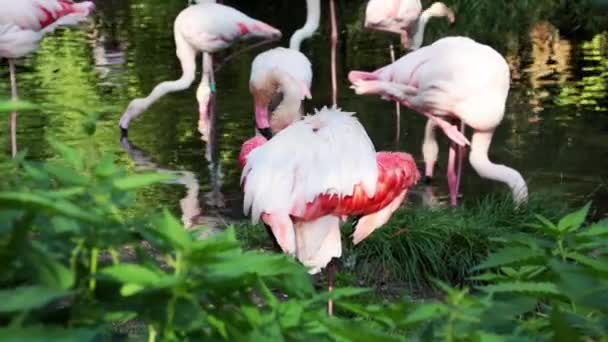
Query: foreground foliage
[[76, 265]]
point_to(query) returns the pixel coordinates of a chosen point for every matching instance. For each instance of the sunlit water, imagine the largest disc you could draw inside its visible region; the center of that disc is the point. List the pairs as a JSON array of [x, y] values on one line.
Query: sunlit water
[[554, 131]]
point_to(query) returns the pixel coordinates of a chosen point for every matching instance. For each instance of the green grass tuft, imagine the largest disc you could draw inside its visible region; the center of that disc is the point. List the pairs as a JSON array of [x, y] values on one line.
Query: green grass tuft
[[420, 244]]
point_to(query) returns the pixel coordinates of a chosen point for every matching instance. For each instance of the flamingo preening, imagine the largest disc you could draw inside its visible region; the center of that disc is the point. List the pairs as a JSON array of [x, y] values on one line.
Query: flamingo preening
[[404, 17], [282, 77], [315, 173], [454, 79], [24, 23], [206, 27]]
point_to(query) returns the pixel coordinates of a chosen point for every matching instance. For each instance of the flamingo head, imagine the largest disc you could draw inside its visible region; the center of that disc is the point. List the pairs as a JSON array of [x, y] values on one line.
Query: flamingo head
[[135, 108], [260, 30], [439, 9]]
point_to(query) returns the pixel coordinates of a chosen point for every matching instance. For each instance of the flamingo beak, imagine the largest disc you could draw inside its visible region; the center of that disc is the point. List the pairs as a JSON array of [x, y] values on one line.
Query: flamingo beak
[[261, 118]]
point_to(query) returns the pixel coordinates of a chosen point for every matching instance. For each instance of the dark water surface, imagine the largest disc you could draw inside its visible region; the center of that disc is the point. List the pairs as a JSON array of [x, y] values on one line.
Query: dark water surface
[[554, 131]]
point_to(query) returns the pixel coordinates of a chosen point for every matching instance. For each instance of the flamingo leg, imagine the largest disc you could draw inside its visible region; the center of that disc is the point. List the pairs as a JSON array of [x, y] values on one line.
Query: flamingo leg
[[331, 269], [334, 44], [430, 150], [397, 104], [460, 155], [14, 96], [204, 94], [452, 181]]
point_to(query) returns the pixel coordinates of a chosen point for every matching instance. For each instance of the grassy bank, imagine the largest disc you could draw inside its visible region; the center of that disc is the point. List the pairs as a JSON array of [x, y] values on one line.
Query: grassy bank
[[420, 244]]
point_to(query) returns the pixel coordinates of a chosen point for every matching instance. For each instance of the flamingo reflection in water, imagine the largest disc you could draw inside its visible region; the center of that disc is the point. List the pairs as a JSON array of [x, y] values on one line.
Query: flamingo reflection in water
[[192, 213]]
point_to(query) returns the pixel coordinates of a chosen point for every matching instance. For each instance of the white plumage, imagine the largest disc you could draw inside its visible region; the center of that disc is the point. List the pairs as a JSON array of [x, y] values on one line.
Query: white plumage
[[28, 14], [328, 152], [290, 61], [16, 42]]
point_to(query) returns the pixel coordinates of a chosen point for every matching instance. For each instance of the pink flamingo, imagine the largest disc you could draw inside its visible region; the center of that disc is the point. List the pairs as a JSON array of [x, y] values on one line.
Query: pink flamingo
[[206, 27], [24, 23], [404, 17], [282, 77], [456, 79], [315, 173]]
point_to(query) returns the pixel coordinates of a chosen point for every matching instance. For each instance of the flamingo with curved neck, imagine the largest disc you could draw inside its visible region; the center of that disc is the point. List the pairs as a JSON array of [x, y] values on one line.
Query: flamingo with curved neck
[[452, 80], [284, 76], [207, 27]]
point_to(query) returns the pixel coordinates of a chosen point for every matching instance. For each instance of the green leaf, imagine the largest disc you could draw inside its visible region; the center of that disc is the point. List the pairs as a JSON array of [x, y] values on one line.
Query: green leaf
[[46, 334], [547, 224], [335, 294], [27, 298], [426, 312], [131, 289], [597, 229], [106, 167], [509, 255], [173, 231], [290, 313], [487, 277], [16, 105], [48, 270], [64, 174], [140, 181], [343, 330], [71, 155], [132, 274], [598, 265], [562, 330], [573, 221], [20, 200], [518, 286]]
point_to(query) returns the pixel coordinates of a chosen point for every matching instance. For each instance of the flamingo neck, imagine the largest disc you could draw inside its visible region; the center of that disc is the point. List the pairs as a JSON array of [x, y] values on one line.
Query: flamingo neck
[[420, 27], [187, 56], [313, 16], [289, 110], [480, 145]]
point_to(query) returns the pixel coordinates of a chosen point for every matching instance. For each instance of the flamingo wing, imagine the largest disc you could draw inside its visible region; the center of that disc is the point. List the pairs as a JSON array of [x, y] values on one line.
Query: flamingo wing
[[37, 15], [16, 42]]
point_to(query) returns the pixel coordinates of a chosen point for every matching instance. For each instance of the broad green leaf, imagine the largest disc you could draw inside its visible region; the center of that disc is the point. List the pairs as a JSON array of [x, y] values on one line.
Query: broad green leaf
[[573, 221], [27, 298], [131, 289], [509, 255], [597, 229], [173, 231], [64, 225], [219, 326], [47, 334], [426, 312], [599, 265], [119, 316], [48, 270], [20, 200], [562, 330], [344, 330], [106, 167], [64, 174], [547, 224], [519, 286], [487, 277], [71, 155], [140, 181], [132, 274], [337, 293], [482, 336], [16, 105]]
